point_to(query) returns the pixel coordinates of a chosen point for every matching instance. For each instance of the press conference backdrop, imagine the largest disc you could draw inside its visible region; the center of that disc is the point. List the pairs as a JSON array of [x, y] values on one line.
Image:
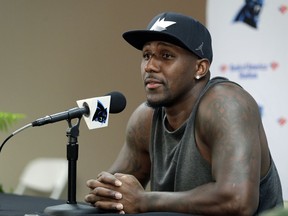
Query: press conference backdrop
[[250, 47]]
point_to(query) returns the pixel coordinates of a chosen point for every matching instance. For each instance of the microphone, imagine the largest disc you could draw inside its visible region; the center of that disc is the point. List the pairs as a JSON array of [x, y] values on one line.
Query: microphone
[[116, 102], [117, 105]]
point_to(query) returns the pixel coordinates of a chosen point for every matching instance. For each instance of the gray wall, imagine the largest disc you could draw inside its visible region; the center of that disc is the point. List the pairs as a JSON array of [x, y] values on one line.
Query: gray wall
[[55, 52]]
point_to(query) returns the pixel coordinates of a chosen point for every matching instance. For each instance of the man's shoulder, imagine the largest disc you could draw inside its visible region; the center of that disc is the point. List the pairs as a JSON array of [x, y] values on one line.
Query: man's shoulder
[[142, 114], [222, 86], [226, 95], [143, 109]]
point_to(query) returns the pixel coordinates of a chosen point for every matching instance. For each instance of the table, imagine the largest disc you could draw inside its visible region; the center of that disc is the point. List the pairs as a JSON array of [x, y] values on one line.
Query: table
[[22, 205]]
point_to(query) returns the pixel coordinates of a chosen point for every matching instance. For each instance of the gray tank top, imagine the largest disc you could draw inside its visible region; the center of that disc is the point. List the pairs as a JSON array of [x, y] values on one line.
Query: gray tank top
[[177, 165]]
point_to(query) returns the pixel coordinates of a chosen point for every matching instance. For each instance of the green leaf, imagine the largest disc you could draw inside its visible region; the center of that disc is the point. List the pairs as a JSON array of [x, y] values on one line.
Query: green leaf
[[7, 119]]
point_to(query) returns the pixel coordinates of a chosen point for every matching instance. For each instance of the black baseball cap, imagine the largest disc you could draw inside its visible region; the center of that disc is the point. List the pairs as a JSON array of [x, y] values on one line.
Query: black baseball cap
[[175, 28]]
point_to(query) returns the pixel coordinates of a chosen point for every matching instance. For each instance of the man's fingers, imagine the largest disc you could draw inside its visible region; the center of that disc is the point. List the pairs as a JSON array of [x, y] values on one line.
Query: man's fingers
[[90, 198], [109, 205], [105, 204], [91, 183], [119, 175], [108, 178], [103, 181], [106, 192]]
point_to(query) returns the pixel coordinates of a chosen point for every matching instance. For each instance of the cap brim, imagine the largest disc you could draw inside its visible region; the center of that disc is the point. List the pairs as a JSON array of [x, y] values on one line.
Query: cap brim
[[138, 38]]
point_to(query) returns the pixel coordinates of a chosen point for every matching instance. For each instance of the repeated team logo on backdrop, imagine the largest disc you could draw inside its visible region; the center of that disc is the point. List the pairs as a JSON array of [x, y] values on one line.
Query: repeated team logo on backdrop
[[249, 13]]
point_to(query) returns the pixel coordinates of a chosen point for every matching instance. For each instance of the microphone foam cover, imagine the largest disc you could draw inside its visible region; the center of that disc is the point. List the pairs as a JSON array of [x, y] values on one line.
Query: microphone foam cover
[[117, 102]]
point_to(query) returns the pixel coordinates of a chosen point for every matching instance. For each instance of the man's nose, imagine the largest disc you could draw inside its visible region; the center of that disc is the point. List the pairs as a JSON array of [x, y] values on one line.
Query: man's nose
[[152, 65]]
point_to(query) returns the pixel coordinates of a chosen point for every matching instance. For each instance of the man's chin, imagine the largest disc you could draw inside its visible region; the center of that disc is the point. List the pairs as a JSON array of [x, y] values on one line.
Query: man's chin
[[160, 100], [157, 104], [153, 104]]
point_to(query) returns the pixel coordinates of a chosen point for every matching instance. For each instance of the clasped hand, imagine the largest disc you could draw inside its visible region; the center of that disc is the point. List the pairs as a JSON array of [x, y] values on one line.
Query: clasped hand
[[119, 192]]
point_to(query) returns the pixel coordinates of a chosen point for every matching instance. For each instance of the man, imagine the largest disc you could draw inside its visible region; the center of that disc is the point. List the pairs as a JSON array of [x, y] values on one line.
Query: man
[[199, 141]]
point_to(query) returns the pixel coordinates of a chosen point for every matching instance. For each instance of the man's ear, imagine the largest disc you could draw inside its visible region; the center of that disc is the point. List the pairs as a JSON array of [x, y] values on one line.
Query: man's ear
[[202, 68]]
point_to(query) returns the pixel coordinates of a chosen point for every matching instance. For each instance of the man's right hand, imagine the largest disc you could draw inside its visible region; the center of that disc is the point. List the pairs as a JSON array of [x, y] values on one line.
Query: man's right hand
[[103, 192]]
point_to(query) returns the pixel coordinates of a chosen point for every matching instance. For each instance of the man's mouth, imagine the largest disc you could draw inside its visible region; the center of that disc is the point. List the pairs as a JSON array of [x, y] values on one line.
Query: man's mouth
[[152, 83]]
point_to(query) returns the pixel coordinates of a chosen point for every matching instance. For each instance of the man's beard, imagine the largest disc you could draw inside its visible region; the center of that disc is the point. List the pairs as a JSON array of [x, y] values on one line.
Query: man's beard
[[158, 104]]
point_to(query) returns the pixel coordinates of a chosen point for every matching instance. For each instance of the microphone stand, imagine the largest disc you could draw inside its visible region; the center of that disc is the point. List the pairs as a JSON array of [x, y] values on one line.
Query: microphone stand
[[71, 207]]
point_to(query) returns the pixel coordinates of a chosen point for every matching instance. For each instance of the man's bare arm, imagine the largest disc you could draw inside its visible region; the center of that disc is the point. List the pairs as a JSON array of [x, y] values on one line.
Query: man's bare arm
[[134, 156], [133, 159]]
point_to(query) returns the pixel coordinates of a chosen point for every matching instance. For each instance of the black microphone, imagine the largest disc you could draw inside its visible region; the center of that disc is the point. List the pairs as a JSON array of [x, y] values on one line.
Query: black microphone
[[117, 105]]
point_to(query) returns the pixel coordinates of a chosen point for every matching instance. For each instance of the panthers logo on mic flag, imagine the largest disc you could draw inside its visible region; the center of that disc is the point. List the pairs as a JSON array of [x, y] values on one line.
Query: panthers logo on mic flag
[[99, 111]]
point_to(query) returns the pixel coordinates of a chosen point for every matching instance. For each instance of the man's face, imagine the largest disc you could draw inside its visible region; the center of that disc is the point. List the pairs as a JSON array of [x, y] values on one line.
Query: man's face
[[168, 73]]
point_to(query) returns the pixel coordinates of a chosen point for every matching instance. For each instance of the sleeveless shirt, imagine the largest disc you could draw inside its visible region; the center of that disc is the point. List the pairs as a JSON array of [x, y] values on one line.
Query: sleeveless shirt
[[177, 164]]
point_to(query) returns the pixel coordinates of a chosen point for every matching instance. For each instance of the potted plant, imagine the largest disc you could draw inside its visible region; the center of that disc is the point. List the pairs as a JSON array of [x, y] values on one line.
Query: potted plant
[[6, 120]]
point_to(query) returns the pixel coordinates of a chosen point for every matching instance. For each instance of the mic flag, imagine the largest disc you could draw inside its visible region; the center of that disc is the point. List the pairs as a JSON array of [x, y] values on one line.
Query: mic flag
[[99, 111]]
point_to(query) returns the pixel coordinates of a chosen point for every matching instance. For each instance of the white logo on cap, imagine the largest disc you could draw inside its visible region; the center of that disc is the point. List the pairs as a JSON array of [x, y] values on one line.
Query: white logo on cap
[[161, 25]]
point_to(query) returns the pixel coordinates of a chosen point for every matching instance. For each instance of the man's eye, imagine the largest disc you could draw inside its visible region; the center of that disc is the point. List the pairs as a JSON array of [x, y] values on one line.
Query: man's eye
[[146, 56], [167, 56]]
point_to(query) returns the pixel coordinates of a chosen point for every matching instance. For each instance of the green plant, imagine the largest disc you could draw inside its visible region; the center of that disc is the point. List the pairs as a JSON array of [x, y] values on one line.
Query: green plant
[[7, 119]]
